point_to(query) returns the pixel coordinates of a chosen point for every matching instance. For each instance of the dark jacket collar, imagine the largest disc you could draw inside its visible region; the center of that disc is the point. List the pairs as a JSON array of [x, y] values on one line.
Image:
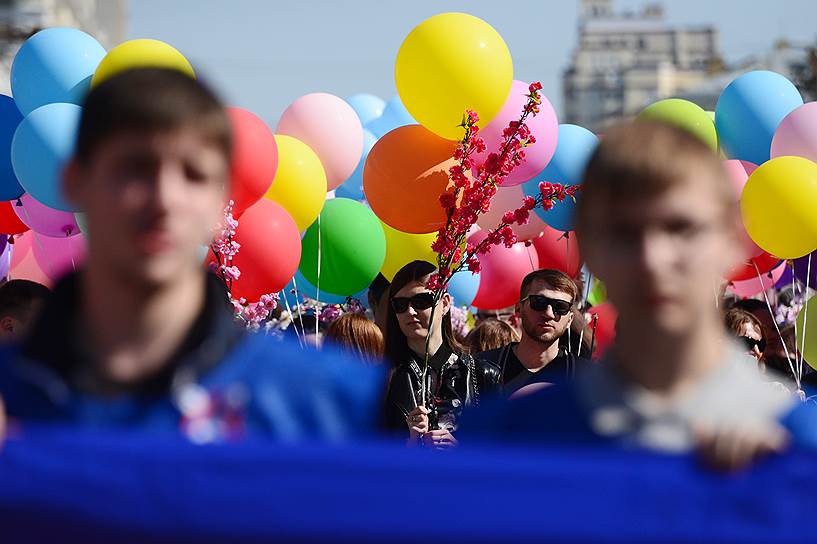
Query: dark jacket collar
[[56, 341]]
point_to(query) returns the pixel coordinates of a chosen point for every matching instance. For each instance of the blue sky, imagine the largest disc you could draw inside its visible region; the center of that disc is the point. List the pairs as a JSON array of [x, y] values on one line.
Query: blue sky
[[261, 55]]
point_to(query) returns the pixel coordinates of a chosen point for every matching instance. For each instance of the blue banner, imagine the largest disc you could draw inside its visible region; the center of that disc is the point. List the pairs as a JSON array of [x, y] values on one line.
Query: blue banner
[[64, 487]]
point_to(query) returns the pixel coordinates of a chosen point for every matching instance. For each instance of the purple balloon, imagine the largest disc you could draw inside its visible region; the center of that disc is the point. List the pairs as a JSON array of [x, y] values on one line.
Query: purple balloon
[[44, 220], [801, 270], [5, 256]]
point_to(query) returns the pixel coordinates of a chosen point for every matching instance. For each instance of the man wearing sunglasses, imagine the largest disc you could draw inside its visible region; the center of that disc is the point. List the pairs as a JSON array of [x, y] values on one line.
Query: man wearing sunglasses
[[546, 302]]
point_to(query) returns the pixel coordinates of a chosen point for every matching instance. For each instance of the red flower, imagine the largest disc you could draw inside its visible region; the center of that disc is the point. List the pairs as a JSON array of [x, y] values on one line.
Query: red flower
[[474, 266], [508, 217], [535, 86], [448, 200]]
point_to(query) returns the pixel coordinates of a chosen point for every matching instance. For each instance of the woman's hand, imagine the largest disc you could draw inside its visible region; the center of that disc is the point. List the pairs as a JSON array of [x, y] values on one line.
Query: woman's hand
[[440, 440], [417, 422]]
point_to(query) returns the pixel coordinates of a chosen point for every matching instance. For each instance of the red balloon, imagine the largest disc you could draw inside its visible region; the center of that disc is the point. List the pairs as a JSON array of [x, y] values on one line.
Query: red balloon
[[270, 250], [9, 222], [603, 324], [558, 251], [255, 159], [747, 270], [502, 271]]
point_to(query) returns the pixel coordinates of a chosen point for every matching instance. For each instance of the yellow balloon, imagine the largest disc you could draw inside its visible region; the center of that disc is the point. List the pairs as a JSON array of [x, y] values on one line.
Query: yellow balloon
[[449, 63], [779, 207], [403, 248], [300, 182], [142, 53]]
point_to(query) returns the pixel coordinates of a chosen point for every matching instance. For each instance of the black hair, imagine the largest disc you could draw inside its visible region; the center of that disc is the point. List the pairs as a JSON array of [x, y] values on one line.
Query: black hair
[[16, 297]]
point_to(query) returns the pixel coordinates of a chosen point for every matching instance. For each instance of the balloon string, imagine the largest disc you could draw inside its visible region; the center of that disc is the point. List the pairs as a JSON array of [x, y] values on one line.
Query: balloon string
[[776, 327], [298, 304], [805, 320], [584, 308], [318, 286], [289, 310], [530, 258]]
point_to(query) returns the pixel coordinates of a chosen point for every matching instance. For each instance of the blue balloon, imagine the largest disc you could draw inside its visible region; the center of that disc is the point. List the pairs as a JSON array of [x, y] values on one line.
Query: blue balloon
[[353, 186], [54, 65], [574, 148], [394, 115], [749, 111], [10, 118], [367, 106], [463, 287], [42, 144]]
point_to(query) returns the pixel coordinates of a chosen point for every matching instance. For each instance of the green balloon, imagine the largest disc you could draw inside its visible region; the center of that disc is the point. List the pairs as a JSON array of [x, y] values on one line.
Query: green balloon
[[807, 327], [685, 115], [352, 248]]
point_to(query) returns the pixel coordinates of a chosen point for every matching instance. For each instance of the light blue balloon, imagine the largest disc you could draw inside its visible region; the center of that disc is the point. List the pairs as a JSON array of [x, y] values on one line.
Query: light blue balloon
[[463, 287], [54, 65], [353, 186], [749, 111], [42, 144], [573, 151], [10, 118], [367, 106], [82, 223], [306, 289], [394, 115]]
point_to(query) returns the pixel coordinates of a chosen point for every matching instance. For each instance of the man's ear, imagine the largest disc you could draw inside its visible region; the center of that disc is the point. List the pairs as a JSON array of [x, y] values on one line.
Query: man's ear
[[446, 300], [71, 182]]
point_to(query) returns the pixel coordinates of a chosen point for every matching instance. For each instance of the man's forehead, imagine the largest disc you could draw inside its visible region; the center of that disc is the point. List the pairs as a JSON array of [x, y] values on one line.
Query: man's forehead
[[541, 287]]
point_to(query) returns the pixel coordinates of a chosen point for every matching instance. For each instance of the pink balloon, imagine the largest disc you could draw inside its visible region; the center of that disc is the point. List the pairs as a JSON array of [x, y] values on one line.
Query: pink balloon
[[502, 271], [797, 134], [739, 172], [58, 256], [545, 127], [44, 220], [750, 288], [331, 128], [23, 264], [508, 199]]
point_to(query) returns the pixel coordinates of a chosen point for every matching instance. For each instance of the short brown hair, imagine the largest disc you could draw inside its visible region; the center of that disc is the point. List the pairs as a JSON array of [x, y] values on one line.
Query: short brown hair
[[149, 101], [490, 334], [646, 158], [736, 318], [557, 279], [358, 336]]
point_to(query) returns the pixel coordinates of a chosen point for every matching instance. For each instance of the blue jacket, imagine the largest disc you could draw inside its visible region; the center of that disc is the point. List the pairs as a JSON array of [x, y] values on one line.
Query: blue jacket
[[223, 383]]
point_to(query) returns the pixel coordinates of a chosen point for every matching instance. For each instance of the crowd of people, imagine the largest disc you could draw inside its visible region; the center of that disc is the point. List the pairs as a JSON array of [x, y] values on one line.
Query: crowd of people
[[143, 336]]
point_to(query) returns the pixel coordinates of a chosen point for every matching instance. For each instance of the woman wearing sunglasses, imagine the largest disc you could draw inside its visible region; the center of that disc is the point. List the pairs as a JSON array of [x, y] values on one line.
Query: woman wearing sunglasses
[[748, 331], [453, 380]]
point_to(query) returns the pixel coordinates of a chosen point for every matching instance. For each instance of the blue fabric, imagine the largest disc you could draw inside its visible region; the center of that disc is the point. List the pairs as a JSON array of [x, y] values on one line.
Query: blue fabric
[[78, 487], [286, 392], [555, 416]]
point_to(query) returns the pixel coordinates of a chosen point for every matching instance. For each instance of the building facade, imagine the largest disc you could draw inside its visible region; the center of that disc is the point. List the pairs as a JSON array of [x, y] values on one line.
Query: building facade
[[625, 61], [106, 20]]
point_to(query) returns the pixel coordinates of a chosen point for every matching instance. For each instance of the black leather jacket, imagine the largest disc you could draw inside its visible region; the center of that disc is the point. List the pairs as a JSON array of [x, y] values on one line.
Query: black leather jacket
[[463, 382]]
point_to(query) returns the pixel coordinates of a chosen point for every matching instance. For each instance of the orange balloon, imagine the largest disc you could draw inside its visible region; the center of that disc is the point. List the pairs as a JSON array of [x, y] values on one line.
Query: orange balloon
[[404, 176]]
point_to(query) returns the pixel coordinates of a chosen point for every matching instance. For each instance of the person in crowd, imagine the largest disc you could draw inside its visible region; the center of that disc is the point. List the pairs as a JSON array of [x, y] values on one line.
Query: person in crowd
[[547, 300], [657, 221], [379, 300], [357, 336], [490, 334], [20, 303], [771, 333], [433, 377], [748, 331], [143, 336]]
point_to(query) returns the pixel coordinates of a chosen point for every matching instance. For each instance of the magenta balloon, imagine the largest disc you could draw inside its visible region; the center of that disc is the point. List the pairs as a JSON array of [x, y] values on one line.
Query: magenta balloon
[[544, 126], [750, 288], [502, 271], [44, 220], [58, 256], [796, 135], [332, 129], [508, 199]]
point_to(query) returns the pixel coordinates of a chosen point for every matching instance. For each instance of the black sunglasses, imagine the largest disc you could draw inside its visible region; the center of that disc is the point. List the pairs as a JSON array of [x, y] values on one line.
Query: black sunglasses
[[420, 301], [540, 303], [750, 343]]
